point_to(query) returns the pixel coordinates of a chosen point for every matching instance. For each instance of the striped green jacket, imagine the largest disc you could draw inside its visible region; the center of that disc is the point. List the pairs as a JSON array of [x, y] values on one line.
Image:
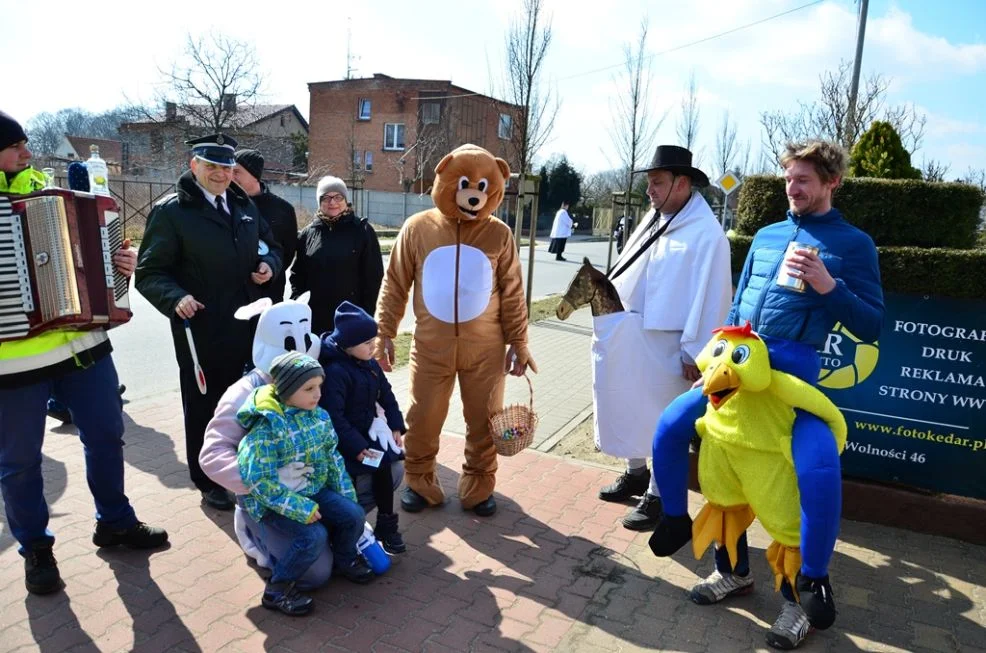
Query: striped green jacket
[[278, 435]]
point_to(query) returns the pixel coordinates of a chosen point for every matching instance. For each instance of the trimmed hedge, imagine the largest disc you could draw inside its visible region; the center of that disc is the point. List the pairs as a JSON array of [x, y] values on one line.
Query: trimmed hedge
[[895, 213], [956, 273]]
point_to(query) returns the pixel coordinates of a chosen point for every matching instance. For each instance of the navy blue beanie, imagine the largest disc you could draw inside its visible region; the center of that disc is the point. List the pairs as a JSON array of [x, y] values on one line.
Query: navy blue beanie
[[10, 131], [354, 326]]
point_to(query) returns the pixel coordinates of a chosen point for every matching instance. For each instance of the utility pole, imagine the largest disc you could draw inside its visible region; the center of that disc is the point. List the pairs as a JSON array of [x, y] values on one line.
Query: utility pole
[[857, 62]]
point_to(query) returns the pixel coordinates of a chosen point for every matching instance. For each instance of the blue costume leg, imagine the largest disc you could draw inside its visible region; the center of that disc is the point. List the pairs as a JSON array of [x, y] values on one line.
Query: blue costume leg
[[816, 464], [675, 430]]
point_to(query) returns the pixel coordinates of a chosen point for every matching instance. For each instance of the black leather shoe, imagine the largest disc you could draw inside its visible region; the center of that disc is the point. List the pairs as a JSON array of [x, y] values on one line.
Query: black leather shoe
[[60, 413], [671, 534], [817, 601], [358, 572], [218, 498], [286, 598], [387, 534], [646, 515], [40, 570], [138, 536], [485, 508], [626, 487], [411, 501]]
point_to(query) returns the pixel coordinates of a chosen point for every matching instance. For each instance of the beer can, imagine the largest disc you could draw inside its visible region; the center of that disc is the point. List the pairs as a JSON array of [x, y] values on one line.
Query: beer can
[[784, 277]]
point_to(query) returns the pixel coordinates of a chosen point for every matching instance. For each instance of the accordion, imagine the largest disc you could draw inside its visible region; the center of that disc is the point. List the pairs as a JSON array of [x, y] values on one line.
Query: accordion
[[56, 263]]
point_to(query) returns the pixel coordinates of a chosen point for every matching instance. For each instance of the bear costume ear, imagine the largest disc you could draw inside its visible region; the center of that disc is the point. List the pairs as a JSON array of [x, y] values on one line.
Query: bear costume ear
[[504, 168], [253, 309], [444, 162]]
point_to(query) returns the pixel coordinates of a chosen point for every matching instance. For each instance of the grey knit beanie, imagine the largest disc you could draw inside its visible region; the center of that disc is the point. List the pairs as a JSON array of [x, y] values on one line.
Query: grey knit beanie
[[330, 184], [292, 370]]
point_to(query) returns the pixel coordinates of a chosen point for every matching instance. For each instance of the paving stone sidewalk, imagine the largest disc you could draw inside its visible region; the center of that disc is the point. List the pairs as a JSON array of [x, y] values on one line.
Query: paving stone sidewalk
[[552, 570]]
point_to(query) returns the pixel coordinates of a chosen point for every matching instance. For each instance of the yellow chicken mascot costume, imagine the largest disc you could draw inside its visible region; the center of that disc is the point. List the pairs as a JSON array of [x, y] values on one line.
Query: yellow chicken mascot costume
[[471, 322], [745, 464]]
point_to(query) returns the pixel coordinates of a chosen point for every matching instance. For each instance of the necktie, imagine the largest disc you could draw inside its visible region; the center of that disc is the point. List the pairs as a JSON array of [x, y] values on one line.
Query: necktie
[[219, 205]]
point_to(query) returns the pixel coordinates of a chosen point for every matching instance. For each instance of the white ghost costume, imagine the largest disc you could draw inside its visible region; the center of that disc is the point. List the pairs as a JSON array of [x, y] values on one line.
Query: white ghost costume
[[282, 327]]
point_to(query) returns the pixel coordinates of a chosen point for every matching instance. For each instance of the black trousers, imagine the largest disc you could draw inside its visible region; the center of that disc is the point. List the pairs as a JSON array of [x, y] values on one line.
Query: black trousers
[[383, 488], [199, 408], [557, 246]]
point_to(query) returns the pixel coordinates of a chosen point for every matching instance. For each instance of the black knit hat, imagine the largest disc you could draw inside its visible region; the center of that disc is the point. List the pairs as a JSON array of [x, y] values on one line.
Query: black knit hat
[[353, 326], [10, 131], [252, 161], [290, 371]]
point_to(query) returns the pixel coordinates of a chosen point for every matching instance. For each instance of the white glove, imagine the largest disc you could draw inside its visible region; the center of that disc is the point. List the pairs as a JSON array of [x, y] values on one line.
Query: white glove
[[381, 434], [294, 475]]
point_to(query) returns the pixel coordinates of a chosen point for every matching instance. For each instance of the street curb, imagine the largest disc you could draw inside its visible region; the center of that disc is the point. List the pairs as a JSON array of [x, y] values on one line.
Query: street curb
[[551, 442]]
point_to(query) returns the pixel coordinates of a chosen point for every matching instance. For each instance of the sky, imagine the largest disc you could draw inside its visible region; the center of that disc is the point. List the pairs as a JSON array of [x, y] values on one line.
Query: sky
[[933, 53]]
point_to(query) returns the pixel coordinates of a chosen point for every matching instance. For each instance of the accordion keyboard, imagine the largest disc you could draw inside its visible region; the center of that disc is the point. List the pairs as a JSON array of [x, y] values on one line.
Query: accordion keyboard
[[15, 283]]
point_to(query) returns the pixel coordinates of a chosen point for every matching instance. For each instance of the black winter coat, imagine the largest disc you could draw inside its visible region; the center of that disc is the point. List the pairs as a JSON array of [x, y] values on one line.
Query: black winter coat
[[190, 248], [337, 262], [351, 390], [280, 215]]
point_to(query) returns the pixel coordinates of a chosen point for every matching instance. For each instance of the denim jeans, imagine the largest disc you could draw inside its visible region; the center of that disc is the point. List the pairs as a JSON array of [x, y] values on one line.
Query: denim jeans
[[342, 523], [92, 397]]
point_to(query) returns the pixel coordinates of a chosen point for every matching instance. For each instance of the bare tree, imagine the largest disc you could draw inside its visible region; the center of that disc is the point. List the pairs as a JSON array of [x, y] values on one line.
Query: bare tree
[[47, 129], [528, 39], [633, 129], [688, 122], [827, 117], [934, 170], [215, 79], [976, 177], [726, 146]]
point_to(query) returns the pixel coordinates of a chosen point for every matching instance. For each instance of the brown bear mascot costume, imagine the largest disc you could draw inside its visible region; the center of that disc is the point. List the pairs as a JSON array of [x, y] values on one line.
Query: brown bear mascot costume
[[471, 322]]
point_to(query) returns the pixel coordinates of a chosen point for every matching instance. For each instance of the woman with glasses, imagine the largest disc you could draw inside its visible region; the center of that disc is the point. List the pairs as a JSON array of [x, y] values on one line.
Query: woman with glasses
[[338, 257]]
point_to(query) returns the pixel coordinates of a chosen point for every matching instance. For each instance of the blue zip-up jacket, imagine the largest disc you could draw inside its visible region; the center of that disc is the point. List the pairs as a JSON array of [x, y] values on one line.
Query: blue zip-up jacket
[[849, 256]]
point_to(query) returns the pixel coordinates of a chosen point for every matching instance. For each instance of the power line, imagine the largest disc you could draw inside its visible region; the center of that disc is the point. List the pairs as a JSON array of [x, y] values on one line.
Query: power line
[[704, 40]]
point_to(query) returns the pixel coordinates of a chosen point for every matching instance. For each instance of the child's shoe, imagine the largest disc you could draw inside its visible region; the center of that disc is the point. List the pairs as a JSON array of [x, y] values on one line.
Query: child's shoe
[[286, 598], [387, 534]]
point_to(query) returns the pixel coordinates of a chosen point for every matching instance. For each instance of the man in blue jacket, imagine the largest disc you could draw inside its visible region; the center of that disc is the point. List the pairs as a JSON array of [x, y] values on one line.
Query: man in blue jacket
[[839, 283]]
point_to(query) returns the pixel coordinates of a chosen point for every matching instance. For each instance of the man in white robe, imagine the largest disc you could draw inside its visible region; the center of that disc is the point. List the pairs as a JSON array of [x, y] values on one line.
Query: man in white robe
[[675, 292]]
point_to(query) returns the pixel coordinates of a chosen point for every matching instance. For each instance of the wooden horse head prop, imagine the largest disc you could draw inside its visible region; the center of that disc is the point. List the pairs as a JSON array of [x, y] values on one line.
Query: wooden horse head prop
[[589, 286]]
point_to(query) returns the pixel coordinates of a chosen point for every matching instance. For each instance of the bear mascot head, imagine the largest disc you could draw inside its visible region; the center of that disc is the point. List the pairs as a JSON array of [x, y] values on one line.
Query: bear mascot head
[[469, 183]]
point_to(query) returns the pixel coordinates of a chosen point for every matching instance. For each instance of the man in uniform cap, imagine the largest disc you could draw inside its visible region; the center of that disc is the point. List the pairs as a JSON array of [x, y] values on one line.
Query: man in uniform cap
[[206, 251], [278, 213]]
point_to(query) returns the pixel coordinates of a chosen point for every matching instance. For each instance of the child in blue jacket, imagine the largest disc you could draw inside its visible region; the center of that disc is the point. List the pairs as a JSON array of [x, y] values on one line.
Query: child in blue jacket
[[354, 385], [284, 425]]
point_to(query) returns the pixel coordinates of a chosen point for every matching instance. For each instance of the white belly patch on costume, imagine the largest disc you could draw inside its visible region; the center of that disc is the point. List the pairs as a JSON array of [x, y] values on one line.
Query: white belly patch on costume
[[475, 283]]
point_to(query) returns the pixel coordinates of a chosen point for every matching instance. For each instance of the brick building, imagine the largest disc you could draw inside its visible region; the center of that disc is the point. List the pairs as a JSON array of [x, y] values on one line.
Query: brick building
[[383, 133]]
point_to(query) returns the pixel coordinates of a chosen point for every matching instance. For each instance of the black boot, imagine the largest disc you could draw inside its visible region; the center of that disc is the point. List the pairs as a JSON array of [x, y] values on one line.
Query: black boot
[[671, 534], [817, 601], [627, 486], [40, 570], [286, 598], [411, 501], [646, 515], [387, 534]]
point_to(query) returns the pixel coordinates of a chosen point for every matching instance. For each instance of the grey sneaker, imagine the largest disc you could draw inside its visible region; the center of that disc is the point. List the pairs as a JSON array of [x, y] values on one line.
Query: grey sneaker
[[719, 586], [790, 629]]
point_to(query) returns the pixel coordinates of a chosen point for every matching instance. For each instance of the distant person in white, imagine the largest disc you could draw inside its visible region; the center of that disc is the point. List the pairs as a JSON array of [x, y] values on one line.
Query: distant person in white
[[561, 229]]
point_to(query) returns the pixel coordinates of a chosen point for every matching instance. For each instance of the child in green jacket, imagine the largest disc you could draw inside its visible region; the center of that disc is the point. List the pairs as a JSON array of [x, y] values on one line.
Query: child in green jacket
[[285, 425]]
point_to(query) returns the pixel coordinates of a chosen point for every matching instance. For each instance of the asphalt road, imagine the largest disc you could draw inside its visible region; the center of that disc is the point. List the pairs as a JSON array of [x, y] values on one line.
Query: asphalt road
[[145, 359]]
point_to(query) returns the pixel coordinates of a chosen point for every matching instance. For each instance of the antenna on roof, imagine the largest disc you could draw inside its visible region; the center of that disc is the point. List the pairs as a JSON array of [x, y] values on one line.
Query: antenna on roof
[[350, 57]]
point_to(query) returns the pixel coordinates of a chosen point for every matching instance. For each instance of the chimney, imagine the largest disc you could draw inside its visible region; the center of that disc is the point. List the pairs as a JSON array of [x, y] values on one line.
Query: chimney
[[170, 111], [229, 102]]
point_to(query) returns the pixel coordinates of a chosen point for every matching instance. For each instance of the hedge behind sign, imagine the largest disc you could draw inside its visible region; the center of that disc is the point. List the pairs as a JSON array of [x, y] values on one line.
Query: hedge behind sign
[[893, 212]]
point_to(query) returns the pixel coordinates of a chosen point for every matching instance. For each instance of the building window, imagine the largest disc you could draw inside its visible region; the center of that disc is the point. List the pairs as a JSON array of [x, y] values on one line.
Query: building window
[[357, 160], [506, 126], [431, 113], [393, 136], [368, 159], [364, 108]]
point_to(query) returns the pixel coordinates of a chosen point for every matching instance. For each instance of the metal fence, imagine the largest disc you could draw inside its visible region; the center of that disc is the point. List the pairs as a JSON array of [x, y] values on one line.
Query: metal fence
[[136, 198]]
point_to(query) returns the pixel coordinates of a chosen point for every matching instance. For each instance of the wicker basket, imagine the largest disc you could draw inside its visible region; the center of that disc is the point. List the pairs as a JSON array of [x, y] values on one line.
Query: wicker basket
[[512, 428]]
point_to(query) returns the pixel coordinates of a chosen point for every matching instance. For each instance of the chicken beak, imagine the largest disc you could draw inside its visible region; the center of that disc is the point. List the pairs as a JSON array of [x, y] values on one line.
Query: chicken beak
[[720, 385]]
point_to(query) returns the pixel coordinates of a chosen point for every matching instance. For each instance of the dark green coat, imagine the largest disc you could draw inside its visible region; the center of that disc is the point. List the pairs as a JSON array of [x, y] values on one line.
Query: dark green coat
[[190, 248]]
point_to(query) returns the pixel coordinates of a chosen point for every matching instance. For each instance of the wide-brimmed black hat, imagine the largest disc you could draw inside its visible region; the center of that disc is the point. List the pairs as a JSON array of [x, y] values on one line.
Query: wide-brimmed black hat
[[677, 160]]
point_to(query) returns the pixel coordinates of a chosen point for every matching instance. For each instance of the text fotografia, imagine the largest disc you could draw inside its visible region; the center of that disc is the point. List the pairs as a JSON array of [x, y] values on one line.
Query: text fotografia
[[951, 356]]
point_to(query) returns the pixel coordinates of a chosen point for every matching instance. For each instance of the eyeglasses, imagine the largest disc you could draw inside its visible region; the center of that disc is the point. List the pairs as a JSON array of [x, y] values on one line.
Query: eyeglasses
[[333, 198]]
